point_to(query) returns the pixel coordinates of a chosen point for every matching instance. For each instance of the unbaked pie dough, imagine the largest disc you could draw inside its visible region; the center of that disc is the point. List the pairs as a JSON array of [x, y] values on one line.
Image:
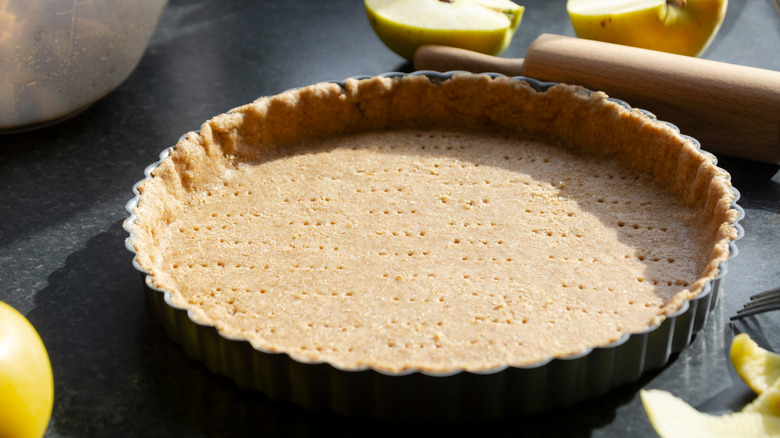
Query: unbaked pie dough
[[403, 223]]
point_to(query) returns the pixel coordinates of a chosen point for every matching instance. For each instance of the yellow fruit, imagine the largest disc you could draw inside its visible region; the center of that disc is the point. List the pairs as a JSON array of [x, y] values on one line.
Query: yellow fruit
[[685, 27], [26, 383], [672, 417], [768, 402], [485, 26], [759, 368]]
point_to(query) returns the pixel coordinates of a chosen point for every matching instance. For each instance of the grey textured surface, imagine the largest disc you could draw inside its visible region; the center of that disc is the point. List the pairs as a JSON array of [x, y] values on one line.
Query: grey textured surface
[[64, 265]]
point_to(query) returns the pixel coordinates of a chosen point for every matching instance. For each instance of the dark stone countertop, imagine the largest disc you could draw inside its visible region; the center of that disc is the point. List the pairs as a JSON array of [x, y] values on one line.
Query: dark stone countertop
[[63, 262]]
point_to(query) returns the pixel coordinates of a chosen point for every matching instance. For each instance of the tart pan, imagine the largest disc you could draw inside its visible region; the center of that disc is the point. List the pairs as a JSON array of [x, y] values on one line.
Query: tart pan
[[497, 393]]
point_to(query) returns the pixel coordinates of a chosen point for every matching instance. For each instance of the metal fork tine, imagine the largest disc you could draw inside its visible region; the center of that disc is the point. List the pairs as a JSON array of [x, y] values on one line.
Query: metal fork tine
[[758, 306], [762, 302], [744, 313], [767, 293], [766, 301]]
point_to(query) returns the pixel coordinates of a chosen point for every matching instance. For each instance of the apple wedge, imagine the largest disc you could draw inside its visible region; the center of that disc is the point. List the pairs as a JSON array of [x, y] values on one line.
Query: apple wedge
[[759, 368], [671, 417], [768, 402], [685, 27], [485, 26]]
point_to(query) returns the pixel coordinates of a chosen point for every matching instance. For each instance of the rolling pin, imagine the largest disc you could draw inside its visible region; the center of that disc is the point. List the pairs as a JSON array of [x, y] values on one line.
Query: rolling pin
[[730, 109]]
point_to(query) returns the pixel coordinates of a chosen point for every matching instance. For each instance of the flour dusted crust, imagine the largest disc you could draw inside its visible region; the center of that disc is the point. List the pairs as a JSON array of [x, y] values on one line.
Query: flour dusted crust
[[404, 223]]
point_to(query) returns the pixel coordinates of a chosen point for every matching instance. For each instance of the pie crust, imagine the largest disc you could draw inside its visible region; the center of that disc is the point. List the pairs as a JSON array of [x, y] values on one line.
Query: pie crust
[[434, 224]]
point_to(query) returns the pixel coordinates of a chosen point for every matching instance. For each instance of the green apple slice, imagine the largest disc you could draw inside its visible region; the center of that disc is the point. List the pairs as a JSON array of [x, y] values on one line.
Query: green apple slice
[[685, 27], [672, 418], [485, 26]]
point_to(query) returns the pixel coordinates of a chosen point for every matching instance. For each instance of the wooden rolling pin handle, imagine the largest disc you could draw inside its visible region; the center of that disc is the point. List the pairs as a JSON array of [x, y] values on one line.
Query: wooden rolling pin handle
[[443, 58], [732, 110]]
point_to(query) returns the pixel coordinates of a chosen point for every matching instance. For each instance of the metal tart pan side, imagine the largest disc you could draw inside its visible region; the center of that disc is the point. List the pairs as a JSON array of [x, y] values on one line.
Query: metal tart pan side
[[415, 395]]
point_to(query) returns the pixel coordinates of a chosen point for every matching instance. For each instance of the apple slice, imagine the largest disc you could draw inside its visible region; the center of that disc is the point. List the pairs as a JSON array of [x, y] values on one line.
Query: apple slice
[[485, 26], [768, 402], [685, 27], [759, 368], [672, 417]]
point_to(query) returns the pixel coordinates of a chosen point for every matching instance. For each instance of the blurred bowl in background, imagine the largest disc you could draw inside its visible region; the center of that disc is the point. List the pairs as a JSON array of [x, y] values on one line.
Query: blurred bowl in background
[[57, 57]]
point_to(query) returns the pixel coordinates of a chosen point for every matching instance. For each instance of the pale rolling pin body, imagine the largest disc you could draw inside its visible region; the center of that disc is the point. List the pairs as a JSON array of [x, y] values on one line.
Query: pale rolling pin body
[[732, 110]]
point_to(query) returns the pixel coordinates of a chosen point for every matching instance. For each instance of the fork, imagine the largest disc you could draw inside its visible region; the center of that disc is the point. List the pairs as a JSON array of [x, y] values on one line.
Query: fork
[[759, 303]]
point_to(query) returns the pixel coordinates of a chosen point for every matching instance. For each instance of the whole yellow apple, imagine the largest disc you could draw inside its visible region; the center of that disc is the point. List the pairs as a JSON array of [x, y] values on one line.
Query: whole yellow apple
[[485, 26], [685, 27], [26, 383]]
